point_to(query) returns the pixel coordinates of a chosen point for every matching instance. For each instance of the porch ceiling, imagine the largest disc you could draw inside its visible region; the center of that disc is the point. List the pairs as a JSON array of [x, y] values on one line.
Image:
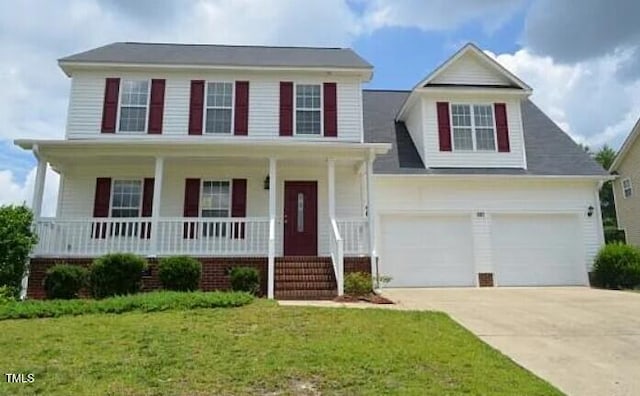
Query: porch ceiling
[[139, 150]]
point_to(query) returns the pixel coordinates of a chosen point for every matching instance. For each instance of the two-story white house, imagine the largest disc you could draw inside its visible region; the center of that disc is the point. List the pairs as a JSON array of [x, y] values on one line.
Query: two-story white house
[[277, 157]]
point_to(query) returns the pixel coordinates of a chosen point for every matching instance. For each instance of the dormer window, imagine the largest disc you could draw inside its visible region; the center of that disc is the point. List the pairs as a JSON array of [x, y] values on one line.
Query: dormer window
[[473, 127], [308, 109], [134, 102], [219, 114]]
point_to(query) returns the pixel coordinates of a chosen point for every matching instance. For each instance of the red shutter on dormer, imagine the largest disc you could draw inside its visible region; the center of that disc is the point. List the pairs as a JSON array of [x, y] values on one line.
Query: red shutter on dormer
[[110, 106], [101, 204], [241, 118], [191, 206], [238, 205], [502, 128], [196, 107], [156, 106], [286, 108], [147, 207], [444, 126], [330, 110]]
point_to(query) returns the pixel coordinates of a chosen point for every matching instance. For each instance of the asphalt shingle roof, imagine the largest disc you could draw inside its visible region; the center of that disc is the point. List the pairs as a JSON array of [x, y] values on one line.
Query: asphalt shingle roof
[[549, 150], [221, 55]]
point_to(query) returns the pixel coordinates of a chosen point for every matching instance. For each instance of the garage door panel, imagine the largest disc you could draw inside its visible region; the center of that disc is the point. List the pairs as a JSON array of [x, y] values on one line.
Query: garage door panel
[[537, 250], [424, 251]]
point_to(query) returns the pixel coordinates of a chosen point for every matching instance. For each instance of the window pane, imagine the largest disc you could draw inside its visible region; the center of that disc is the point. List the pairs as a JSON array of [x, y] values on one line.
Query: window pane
[[132, 119], [219, 94], [125, 201], [308, 122], [218, 121], [484, 139], [215, 199], [462, 139], [134, 93], [461, 115], [483, 116], [308, 96]]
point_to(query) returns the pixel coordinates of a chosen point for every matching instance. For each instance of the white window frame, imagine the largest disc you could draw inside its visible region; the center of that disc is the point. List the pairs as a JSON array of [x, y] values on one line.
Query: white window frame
[[473, 127], [202, 196], [113, 183], [624, 189], [206, 107], [295, 109], [146, 118]]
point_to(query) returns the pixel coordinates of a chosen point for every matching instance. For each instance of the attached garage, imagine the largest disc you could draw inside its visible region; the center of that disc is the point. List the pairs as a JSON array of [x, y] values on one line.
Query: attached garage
[[427, 250], [537, 250]]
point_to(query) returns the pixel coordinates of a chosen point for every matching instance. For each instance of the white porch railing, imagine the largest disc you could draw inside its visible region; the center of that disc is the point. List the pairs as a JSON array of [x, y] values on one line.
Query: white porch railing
[[193, 236], [336, 244], [355, 233]]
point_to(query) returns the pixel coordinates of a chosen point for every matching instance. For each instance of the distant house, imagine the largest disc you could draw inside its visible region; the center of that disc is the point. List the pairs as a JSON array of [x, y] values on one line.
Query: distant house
[[625, 187], [276, 157]]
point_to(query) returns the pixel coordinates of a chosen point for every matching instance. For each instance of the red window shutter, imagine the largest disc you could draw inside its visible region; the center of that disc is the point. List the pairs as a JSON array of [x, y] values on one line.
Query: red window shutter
[[286, 108], [444, 126], [502, 128], [191, 206], [330, 110], [101, 203], [156, 106], [110, 106], [241, 119], [196, 107], [238, 204], [147, 207]]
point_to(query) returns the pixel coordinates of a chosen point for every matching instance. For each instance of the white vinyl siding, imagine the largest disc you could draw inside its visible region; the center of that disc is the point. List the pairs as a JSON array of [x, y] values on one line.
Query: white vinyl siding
[[77, 194], [87, 96], [468, 70]]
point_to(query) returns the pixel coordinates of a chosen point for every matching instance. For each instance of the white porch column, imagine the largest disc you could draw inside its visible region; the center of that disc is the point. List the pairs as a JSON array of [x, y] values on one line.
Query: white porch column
[[38, 188], [272, 219], [331, 187], [371, 216], [155, 208]]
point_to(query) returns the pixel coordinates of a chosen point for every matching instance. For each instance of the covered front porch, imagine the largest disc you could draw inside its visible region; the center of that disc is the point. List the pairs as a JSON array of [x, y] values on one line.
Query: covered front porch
[[253, 199]]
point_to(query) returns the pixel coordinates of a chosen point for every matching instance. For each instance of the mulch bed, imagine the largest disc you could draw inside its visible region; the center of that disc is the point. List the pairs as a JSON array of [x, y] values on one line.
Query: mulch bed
[[370, 298]]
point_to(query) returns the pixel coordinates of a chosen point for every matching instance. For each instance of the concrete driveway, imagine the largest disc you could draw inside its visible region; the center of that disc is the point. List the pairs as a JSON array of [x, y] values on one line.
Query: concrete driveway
[[584, 341]]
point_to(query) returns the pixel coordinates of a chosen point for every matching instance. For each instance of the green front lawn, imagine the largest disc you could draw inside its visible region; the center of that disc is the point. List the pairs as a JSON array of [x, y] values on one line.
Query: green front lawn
[[257, 349]]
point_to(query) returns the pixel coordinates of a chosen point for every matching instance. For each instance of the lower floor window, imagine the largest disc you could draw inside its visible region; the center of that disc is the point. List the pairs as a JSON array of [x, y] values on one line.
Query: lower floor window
[[126, 200], [216, 203]]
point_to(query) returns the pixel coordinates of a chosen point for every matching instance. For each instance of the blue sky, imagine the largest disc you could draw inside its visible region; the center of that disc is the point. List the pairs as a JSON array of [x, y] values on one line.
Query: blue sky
[[583, 63]]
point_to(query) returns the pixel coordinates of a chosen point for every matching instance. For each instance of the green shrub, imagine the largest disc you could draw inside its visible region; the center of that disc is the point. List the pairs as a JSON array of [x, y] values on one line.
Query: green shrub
[[16, 241], [64, 281], [246, 279], [617, 266], [143, 302], [358, 284], [7, 295], [116, 274], [613, 235], [179, 273]]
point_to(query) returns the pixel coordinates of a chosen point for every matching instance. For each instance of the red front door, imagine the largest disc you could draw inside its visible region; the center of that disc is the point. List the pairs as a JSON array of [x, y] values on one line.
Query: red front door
[[300, 218]]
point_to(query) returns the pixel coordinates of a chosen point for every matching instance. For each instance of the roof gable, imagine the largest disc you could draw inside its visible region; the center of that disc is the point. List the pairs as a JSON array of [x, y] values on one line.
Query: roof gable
[[472, 67], [626, 147]]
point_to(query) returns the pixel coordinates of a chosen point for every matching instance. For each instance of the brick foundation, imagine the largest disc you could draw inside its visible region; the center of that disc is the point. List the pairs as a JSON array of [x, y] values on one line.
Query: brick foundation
[[485, 279], [215, 273], [357, 264]]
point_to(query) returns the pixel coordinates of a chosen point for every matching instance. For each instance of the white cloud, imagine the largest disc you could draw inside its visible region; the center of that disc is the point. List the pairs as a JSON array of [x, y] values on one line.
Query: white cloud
[[586, 99], [13, 192]]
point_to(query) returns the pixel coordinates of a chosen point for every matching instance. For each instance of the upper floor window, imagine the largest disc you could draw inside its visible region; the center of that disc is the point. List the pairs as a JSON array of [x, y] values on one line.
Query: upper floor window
[[308, 109], [626, 188], [134, 102], [126, 198], [473, 127], [219, 107]]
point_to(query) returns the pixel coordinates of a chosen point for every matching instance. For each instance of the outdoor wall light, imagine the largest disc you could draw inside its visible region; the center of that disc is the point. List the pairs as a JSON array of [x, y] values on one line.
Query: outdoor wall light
[[267, 181], [590, 211]]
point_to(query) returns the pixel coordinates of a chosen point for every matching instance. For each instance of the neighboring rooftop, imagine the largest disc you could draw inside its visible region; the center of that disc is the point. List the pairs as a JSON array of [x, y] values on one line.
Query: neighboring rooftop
[[549, 150], [221, 55]]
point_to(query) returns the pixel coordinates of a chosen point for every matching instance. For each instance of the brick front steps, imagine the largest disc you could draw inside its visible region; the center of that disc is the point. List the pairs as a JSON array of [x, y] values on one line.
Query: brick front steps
[[309, 279]]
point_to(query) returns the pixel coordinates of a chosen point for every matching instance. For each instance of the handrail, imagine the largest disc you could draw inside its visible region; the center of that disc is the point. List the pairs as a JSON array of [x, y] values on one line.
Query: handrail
[[337, 255]]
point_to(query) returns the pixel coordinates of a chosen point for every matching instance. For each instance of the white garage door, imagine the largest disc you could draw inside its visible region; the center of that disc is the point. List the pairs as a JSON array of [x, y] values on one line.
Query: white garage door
[[537, 250], [423, 251]]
